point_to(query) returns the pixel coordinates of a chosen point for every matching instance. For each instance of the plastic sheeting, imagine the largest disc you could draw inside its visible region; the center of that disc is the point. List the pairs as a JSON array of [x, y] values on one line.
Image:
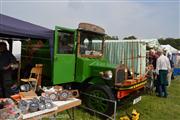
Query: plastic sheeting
[[152, 43], [176, 71], [176, 59], [169, 48], [129, 52]]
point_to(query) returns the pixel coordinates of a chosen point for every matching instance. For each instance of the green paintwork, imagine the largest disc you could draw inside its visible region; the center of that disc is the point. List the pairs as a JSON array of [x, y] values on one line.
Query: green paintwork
[[63, 64], [70, 68], [90, 67], [63, 69]]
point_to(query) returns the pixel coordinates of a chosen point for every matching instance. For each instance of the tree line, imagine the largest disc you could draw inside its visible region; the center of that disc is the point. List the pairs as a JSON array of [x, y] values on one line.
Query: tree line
[[174, 42]]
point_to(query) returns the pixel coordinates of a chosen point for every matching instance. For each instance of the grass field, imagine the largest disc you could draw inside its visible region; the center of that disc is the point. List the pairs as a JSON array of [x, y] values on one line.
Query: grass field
[[150, 107], [155, 108]]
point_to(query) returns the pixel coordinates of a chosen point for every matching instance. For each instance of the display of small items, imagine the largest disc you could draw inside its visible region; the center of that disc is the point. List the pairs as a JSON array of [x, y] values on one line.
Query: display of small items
[[58, 93], [55, 93], [35, 104], [8, 109]]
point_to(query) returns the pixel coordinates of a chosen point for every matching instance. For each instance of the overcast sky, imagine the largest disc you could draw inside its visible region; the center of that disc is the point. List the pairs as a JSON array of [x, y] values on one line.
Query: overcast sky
[[141, 18]]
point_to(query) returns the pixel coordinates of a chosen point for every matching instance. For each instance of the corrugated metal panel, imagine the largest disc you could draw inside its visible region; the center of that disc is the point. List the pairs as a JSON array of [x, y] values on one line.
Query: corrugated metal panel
[[122, 51]]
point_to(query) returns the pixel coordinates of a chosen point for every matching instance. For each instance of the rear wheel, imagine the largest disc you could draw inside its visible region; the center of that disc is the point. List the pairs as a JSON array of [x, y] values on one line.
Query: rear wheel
[[99, 102]]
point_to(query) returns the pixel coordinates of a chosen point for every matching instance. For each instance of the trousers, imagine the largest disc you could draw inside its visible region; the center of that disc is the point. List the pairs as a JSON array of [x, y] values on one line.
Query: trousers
[[162, 83], [6, 83]]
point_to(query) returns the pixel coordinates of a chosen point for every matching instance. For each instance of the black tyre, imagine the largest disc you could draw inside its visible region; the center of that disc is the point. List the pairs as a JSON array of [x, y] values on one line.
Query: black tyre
[[98, 104]]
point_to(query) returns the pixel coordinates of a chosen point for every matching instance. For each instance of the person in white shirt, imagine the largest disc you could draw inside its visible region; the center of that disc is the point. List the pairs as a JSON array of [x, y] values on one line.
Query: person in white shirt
[[162, 68]]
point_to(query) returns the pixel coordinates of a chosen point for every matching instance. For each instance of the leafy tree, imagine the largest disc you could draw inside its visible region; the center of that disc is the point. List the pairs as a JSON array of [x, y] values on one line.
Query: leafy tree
[[107, 37], [130, 38], [171, 41]]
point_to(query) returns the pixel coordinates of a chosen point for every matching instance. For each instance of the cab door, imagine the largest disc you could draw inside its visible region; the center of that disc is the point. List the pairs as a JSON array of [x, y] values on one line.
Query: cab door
[[64, 55]]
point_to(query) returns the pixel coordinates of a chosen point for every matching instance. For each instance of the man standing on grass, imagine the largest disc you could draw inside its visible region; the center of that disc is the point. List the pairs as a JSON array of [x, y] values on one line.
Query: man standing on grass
[[162, 69]]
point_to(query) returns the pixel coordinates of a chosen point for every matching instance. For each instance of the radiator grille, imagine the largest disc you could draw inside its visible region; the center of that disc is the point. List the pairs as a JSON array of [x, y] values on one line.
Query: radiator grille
[[120, 76]]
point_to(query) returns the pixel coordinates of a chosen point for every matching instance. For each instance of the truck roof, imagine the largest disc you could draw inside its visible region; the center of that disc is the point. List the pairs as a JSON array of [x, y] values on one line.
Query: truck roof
[[91, 28]]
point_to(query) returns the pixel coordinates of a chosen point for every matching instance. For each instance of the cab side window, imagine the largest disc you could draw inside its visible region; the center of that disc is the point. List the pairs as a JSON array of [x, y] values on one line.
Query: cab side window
[[65, 43]]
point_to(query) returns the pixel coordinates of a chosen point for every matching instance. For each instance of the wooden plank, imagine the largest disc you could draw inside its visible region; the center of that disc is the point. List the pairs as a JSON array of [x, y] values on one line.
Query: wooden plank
[[39, 113], [74, 103], [47, 115]]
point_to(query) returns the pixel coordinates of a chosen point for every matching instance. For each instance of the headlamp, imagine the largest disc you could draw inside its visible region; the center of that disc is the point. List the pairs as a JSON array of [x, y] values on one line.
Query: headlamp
[[107, 75]]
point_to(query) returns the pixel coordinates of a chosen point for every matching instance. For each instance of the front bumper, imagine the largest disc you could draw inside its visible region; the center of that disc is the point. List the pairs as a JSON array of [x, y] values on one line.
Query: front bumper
[[123, 91]]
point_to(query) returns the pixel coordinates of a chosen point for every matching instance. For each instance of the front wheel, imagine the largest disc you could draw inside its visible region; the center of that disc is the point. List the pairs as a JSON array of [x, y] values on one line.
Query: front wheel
[[100, 99]]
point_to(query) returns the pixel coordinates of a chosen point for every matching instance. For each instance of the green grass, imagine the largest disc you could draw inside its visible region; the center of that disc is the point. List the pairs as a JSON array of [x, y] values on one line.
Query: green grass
[[155, 108], [150, 107]]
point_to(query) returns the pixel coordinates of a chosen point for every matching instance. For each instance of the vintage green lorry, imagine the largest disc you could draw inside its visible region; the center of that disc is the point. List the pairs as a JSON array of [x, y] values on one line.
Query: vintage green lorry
[[75, 63]]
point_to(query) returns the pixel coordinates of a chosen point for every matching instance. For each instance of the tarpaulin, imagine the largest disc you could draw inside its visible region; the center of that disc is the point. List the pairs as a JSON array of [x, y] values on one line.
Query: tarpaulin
[[10, 26]]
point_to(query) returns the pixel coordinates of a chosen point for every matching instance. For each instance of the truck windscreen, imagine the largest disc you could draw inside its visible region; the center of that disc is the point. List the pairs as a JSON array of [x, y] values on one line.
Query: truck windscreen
[[87, 46]]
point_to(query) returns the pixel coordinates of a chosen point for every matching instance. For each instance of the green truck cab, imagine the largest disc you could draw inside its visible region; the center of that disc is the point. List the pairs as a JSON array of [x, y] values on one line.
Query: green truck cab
[[75, 62]]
